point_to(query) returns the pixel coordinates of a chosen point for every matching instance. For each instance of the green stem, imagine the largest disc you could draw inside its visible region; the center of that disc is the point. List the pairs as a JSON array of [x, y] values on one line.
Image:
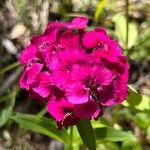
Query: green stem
[[70, 145], [9, 67], [127, 23], [5, 97], [71, 138], [42, 112]]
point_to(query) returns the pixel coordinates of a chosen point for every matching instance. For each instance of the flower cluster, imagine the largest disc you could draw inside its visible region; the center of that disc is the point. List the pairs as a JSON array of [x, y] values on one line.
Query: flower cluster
[[76, 71]]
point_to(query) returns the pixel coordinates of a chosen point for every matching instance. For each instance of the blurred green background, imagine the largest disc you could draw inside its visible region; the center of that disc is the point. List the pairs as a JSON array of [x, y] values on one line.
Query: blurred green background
[[122, 127]]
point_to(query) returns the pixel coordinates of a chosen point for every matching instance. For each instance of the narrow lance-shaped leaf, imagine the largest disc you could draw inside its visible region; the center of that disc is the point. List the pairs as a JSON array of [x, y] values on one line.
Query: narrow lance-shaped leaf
[[112, 135], [41, 125], [87, 134], [120, 29], [4, 115], [9, 67], [99, 9], [6, 112]]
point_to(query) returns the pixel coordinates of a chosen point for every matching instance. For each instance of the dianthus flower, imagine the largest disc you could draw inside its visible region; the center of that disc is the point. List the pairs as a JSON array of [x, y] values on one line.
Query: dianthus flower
[[77, 72]]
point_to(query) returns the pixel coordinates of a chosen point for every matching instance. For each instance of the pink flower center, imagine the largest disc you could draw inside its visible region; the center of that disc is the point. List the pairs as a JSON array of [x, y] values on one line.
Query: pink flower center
[[101, 46], [90, 83]]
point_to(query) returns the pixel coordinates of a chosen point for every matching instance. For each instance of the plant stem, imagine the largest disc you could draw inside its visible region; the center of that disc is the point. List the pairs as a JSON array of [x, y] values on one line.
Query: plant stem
[[9, 67], [70, 145], [71, 139], [127, 23], [42, 112]]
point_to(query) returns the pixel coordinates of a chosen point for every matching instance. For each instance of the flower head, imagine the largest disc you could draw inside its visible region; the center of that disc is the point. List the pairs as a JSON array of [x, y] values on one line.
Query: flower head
[[77, 72]]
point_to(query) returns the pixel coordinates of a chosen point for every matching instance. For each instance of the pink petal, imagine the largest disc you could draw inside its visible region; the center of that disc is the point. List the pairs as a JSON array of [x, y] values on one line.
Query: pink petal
[[101, 30], [55, 24], [23, 80], [35, 96], [89, 110], [76, 94], [78, 23], [44, 54], [59, 108], [29, 75], [80, 72], [103, 75], [70, 39], [58, 93], [27, 55], [90, 39], [44, 87], [49, 36], [89, 73], [120, 85], [61, 78], [106, 95], [64, 60]]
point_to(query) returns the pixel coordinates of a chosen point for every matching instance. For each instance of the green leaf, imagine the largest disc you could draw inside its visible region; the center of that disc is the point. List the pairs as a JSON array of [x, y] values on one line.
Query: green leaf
[[131, 88], [102, 122], [112, 135], [77, 140], [128, 145], [120, 29], [141, 120], [148, 131], [6, 112], [107, 146], [133, 98], [144, 103], [136, 101], [99, 9], [87, 134], [41, 125]]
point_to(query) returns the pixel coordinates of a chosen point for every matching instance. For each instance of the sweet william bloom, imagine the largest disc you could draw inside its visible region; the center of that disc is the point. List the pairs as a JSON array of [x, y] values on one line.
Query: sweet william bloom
[[85, 82], [77, 72], [62, 111]]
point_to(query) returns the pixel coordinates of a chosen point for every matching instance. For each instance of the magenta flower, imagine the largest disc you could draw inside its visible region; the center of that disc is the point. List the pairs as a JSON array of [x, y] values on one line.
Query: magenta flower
[[63, 112], [77, 72], [85, 82], [43, 84], [29, 75]]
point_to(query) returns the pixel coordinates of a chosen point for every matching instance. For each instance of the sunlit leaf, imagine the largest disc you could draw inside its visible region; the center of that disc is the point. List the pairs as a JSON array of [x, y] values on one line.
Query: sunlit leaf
[[112, 135], [107, 146], [128, 145], [120, 29], [133, 97], [144, 103], [131, 88], [76, 139], [41, 125], [99, 9], [138, 102], [141, 119]]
